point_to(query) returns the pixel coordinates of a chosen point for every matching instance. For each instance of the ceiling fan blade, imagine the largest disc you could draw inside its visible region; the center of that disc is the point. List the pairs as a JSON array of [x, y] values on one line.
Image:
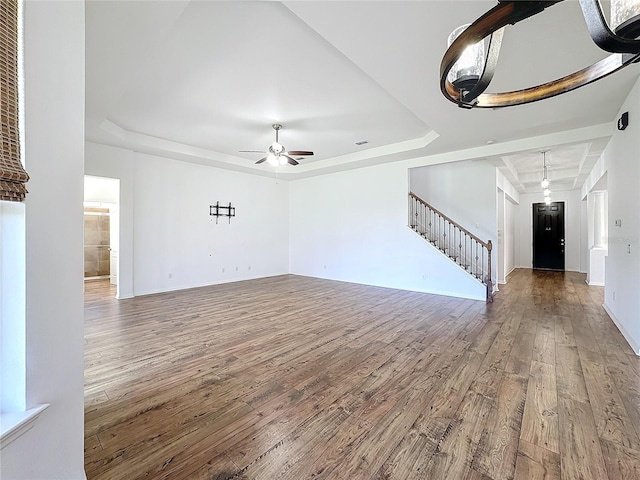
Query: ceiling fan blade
[[290, 160], [251, 151], [261, 160], [297, 153]]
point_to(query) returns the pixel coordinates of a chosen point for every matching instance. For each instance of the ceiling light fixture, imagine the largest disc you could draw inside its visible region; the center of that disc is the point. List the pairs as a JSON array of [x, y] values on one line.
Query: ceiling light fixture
[[545, 179], [466, 71], [276, 154]]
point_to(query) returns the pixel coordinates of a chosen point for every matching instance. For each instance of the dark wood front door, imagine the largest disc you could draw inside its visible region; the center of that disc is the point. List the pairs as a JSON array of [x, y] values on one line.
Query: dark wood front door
[[548, 236]]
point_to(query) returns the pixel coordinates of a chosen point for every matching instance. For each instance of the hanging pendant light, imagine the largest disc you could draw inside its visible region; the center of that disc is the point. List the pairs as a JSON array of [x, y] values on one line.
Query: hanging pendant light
[[545, 179]]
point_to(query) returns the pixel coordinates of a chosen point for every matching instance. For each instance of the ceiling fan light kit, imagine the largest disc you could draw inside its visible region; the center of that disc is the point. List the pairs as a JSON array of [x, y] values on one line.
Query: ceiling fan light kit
[[276, 154], [466, 69]]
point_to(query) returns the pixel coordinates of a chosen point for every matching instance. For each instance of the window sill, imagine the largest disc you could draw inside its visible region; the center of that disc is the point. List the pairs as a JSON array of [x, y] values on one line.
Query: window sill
[[15, 424]]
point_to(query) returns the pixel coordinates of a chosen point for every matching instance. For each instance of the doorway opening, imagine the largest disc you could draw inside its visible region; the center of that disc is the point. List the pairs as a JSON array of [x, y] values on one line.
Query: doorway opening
[[101, 235], [548, 236]]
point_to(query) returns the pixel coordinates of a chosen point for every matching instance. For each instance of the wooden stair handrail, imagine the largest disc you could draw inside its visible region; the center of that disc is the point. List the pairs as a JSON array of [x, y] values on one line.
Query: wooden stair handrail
[[480, 241], [487, 280]]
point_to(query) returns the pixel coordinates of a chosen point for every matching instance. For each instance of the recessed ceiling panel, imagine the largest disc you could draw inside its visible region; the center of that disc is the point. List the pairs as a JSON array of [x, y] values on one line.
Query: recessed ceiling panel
[[227, 70]]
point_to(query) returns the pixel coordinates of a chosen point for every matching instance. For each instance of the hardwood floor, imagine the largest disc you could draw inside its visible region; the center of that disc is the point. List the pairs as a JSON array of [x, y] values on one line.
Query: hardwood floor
[[294, 377]]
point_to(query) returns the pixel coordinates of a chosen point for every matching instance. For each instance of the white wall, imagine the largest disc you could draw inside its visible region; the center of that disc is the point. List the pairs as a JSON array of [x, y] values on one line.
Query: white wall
[[574, 232], [466, 192], [622, 271], [175, 243], [500, 250], [352, 226], [54, 144], [506, 250], [508, 201], [101, 189], [510, 235], [12, 309]]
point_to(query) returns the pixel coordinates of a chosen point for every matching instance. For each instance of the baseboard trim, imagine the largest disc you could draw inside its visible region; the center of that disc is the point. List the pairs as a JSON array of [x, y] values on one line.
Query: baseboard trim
[[632, 343]]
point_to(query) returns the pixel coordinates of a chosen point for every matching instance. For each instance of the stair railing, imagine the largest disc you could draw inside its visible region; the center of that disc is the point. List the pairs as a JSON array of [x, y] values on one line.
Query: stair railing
[[463, 247]]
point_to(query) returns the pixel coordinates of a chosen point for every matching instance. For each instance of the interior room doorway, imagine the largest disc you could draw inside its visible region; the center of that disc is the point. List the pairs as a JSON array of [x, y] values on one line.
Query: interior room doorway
[[101, 234]]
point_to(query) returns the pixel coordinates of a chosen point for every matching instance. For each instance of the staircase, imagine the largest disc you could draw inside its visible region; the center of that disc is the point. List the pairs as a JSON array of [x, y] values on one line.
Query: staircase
[[469, 252]]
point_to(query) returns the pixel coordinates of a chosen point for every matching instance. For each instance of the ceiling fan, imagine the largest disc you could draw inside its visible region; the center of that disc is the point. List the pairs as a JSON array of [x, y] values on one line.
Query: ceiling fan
[[276, 153]]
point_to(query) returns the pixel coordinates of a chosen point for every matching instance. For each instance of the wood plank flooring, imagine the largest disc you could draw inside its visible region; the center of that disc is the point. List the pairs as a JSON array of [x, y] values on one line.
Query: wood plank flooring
[[300, 378]]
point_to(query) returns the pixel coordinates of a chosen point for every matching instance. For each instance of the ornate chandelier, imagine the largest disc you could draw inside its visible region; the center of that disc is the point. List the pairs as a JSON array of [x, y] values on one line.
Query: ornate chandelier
[[466, 70]]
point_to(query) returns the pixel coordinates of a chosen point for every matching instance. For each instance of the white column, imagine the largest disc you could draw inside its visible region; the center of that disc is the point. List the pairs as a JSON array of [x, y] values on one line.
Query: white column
[[599, 219]]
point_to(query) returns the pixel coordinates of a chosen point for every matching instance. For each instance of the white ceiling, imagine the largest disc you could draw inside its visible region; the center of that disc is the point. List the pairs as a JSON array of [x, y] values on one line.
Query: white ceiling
[[201, 80]]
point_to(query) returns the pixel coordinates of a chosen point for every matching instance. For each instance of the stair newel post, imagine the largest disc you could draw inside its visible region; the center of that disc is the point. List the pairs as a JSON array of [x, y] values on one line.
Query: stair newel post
[[489, 282]]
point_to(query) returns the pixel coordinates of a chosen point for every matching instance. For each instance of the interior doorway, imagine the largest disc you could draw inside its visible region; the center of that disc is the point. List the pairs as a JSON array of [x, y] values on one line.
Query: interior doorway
[[548, 236], [101, 233]]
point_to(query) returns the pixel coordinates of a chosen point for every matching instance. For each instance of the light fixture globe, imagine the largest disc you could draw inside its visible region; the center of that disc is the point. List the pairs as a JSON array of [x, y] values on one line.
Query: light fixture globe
[[276, 148], [625, 18], [273, 160], [466, 72]]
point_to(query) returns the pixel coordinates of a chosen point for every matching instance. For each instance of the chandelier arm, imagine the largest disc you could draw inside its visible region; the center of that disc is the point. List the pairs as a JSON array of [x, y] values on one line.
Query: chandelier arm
[[503, 14], [587, 75], [510, 13], [600, 32]]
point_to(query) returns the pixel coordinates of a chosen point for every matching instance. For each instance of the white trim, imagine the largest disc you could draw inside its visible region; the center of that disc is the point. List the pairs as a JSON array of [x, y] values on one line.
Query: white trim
[[635, 346], [15, 424], [167, 289]]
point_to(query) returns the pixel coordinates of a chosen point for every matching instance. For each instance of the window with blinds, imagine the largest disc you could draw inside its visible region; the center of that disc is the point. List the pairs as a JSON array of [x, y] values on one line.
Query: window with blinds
[[12, 174]]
